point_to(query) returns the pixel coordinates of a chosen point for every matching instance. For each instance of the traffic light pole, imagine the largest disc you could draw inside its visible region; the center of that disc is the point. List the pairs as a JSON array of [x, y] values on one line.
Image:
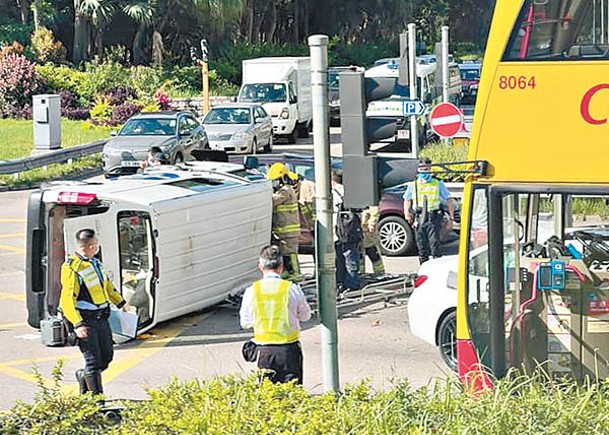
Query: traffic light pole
[[412, 59], [324, 231], [205, 72], [444, 60]]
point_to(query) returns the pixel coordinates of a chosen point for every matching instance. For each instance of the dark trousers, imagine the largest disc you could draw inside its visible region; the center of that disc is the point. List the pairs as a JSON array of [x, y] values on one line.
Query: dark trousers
[[97, 348], [428, 237], [284, 361], [347, 265]]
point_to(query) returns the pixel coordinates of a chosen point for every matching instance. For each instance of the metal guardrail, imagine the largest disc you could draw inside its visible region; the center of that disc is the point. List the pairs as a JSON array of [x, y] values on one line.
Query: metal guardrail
[[20, 165]]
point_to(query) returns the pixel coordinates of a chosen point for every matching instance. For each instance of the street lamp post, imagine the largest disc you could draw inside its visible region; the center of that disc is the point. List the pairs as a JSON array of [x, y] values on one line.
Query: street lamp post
[[204, 63]]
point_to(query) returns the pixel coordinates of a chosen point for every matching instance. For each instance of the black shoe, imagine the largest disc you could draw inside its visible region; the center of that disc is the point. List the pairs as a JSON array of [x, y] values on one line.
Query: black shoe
[[80, 377]]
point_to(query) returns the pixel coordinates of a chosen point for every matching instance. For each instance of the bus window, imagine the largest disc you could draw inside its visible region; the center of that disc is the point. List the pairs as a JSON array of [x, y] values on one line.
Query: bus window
[[136, 259], [559, 29]]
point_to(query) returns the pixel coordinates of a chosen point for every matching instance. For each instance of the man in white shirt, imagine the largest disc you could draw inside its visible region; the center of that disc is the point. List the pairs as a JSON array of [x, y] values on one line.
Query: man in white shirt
[[274, 308]]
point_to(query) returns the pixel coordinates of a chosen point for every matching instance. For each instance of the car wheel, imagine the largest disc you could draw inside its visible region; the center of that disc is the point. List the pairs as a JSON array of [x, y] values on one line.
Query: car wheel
[[179, 159], [254, 146], [397, 237], [447, 340], [303, 130], [269, 146]]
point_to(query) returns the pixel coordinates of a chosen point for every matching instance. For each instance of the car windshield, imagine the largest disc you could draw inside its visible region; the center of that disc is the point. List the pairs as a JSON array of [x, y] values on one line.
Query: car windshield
[[149, 127], [263, 93], [236, 115], [470, 74]]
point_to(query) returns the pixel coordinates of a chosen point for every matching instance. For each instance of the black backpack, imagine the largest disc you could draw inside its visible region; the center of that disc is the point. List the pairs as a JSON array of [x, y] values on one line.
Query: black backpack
[[348, 226]]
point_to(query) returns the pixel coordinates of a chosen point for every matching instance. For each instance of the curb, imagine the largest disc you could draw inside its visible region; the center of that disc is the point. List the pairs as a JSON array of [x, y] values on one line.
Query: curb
[[75, 176]]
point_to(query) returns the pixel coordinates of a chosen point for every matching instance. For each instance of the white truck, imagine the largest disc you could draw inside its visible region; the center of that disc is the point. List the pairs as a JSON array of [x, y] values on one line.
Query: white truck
[[283, 86], [173, 240]]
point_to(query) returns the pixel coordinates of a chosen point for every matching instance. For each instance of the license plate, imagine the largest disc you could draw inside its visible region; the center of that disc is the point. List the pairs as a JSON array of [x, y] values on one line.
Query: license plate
[[131, 163], [403, 134]]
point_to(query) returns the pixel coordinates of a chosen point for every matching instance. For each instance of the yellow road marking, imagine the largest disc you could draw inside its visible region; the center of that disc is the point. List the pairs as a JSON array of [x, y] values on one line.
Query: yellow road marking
[[8, 254], [11, 325], [11, 236], [8, 221], [12, 296], [121, 363], [12, 249], [148, 348]]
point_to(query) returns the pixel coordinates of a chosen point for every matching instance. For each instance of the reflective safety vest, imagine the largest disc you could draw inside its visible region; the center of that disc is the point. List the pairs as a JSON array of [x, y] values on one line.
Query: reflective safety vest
[[80, 281], [286, 219], [431, 190], [271, 313]]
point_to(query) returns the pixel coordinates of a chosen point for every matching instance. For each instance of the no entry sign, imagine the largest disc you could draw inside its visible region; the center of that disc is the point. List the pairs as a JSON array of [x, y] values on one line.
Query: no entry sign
[[446, 120]]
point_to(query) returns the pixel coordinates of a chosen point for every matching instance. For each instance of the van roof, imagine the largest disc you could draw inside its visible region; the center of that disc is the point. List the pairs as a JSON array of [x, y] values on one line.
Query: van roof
[[160, 183], [392, 70]]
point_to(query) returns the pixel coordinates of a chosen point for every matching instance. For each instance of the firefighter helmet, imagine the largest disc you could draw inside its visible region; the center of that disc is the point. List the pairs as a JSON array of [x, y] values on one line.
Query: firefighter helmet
[[277, 171]]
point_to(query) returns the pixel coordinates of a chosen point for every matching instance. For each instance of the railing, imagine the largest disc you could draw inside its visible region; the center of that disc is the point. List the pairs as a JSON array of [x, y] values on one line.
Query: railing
[[61, 156]]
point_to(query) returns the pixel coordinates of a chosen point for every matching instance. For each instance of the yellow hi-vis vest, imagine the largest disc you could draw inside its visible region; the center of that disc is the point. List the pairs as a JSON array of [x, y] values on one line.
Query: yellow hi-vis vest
[[271, 314], [431, 190]]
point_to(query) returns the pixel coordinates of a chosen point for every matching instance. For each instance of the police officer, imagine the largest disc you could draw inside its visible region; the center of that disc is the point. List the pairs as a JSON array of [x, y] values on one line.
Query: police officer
[[274, 308], [371, 240], [286, 221], [85, 296], [427, 197]]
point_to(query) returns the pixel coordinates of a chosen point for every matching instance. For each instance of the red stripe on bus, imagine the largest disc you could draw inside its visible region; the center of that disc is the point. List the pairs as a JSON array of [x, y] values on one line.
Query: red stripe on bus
[[470, 369]]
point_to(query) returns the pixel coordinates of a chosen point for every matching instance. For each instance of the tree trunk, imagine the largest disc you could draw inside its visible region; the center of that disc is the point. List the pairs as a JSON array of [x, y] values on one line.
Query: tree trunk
[[81, 35], [271, 23], [157, 49], [99, 41], [296, 25], [259, 21], [24, 6], [248, 21], [139, 40]]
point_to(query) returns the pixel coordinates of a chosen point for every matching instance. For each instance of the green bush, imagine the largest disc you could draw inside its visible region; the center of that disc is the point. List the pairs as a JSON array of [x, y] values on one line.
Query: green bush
[[442, 152], [15, 32], [46, 48], [103, 76], [56, 78], [237, 405]]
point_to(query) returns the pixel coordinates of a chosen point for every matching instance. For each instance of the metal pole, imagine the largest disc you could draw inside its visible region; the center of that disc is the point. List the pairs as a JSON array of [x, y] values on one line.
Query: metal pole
[[412, 54], [324, 232], [445, 76], [205, 68]]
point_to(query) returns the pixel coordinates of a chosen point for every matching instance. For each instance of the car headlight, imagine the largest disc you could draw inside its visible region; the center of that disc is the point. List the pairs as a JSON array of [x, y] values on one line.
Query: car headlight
[[285, 113], [241, 136]]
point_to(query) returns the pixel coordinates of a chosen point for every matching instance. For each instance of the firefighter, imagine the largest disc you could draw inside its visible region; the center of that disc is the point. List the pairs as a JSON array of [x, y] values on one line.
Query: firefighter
[[305, 194], [371, 241], [86, 294], [286, 221], [427, 198]]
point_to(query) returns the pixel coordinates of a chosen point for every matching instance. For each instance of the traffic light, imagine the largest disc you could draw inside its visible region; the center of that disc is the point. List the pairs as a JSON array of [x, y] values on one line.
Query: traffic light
[[358, 132]]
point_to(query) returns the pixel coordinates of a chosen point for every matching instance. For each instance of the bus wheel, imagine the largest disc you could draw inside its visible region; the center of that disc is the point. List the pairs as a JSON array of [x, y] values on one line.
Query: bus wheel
[[447, 340]]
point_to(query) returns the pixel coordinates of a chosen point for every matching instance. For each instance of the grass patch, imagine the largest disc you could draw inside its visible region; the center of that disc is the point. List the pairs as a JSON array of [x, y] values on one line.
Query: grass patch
[[53, 172], [17, 136]]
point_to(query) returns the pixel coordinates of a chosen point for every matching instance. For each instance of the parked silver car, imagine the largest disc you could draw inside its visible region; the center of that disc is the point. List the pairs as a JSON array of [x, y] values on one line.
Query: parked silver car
[[239, 128], [176, 133]]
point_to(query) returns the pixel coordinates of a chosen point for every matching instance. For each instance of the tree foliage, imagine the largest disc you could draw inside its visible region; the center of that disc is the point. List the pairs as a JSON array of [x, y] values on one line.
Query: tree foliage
[[157, 31]]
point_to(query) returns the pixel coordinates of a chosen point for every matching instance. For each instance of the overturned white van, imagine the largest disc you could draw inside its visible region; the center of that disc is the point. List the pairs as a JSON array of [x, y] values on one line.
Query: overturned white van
[[173, 240]]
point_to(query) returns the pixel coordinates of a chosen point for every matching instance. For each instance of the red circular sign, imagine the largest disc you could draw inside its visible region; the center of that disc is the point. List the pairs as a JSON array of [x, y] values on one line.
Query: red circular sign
[[446, 120]]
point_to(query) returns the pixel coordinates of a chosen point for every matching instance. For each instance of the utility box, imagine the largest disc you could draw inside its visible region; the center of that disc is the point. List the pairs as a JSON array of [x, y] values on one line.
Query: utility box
[[46, 114]]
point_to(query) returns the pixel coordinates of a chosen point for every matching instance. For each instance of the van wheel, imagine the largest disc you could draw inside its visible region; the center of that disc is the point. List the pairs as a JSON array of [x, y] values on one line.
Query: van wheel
[[291, 138], [397, 237], [179, 159], [303, 130], [447, 340], [269, 146]]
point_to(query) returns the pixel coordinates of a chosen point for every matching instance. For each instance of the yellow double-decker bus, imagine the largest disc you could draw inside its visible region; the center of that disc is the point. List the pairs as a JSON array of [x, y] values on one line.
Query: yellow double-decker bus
[[533, 282]]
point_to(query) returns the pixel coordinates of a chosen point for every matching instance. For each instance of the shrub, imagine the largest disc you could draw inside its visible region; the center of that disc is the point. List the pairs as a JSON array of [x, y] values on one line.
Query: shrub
[[447, 152], [18, 82], [14, 48], [146, 81], [122, 112], [101, 111], [120, 95], [162, 100], [15, 32], [46, 48], [70, 108], [101, 77], [56, 78]]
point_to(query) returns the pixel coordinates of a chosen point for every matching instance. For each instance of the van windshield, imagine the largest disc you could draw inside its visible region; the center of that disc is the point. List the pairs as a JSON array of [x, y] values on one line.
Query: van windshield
[[264, 93]]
